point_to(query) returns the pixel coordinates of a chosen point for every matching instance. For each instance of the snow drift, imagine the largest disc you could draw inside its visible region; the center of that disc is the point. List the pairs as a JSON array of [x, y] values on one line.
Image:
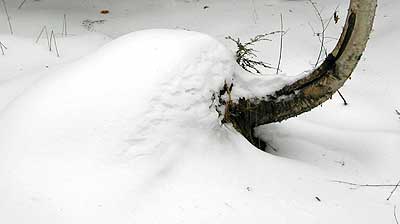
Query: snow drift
[[127, 135]]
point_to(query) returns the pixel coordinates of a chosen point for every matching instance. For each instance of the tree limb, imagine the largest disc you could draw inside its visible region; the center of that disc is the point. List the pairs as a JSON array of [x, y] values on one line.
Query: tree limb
[[314, 89]]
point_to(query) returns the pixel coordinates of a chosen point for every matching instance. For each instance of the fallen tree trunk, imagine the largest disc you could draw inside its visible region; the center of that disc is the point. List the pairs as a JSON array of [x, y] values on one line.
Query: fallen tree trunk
[[311, 91]]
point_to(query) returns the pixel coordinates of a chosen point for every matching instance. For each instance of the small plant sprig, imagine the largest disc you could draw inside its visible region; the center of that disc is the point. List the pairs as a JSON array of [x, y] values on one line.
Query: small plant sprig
[[246, 54]]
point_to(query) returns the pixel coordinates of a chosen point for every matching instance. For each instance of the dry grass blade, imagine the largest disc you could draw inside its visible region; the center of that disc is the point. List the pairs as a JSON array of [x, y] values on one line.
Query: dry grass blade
[[40, 34], [3, 48], [44, 30], [280, 47], [8, 17], [53, 38], [64, 26]]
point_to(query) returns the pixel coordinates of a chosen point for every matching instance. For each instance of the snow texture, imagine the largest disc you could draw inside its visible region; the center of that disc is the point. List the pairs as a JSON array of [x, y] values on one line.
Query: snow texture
[[124, 131]]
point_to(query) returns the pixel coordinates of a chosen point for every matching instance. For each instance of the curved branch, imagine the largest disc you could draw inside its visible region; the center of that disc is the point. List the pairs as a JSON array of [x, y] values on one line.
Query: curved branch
[[319, 86]]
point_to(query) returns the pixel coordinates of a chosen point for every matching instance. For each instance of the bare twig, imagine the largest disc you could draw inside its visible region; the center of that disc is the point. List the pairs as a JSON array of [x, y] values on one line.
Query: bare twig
[[280, 47], [8, 17], [394, 189], [321, 35], [395, 216], [22, 3], [322, 43], [364, 185], [3, 48], [344, 100], [397, 112], [331, 18]]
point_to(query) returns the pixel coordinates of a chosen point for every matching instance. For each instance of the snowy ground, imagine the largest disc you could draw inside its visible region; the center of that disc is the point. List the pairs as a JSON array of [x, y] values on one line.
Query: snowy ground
[[121, 131]]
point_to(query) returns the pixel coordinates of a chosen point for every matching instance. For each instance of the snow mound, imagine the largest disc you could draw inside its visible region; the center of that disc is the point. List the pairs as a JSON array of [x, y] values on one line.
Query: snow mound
[[97, 128], [127, 135], [140, 84]]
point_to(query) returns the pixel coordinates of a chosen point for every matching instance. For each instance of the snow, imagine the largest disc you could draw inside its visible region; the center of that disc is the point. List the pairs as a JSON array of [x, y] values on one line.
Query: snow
[[122, 131]]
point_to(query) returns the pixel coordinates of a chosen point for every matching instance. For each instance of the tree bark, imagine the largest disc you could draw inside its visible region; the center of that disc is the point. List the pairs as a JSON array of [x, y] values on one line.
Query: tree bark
[[311, 91]]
